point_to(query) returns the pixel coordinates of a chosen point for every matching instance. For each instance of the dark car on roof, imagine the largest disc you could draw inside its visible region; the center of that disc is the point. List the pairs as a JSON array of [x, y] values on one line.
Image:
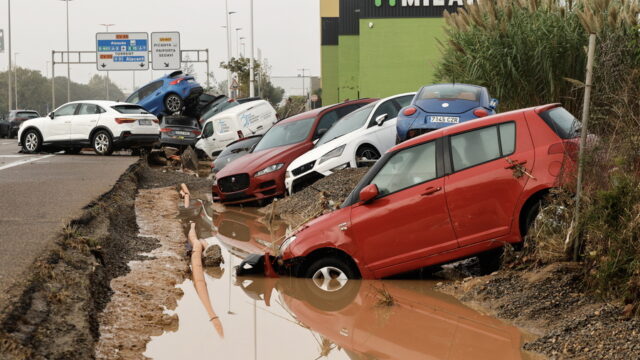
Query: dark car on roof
[[17, 117], [234, 151], [260, 174], [179, 131]]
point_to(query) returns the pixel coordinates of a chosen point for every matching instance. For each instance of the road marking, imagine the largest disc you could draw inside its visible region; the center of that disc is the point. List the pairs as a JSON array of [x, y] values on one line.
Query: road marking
[[18, 163], [13, 156], [9, 143]]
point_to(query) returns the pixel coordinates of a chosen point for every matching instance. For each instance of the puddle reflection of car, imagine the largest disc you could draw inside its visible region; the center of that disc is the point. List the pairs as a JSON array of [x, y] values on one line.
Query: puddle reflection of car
[[442, 105], [242, 233], [421, 323], [454, 193]]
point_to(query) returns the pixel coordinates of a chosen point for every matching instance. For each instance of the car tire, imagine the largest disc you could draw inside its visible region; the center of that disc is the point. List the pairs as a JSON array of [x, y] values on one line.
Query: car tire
[[32, 142], [336, 293], [173, 103], [73, 151], [368, 152], [102, 143]]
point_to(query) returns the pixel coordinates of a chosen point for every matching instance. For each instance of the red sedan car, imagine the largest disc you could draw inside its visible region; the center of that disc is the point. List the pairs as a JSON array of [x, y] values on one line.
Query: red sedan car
[[260, 174], [453, 193]]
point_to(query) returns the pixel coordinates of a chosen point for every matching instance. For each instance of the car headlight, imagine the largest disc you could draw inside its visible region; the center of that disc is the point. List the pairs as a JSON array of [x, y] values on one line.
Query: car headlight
[[332, 154], [286, 243], [269, 169]]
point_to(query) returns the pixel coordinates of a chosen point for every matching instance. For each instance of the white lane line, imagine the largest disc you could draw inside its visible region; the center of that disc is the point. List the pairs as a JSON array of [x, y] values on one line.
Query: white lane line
[[18, 163], [13, 156]]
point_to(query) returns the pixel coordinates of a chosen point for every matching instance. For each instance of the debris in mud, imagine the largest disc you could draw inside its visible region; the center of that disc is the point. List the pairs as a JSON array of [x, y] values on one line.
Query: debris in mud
[[212, 256], [323, 196]]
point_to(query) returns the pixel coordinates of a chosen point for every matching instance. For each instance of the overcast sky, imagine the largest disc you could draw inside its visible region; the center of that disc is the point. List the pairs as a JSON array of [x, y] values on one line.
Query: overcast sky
[[286, 31]]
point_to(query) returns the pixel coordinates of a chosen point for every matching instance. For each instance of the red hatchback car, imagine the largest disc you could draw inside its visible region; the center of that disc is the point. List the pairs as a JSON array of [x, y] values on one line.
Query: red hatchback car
[[452, 193], [260, 174]]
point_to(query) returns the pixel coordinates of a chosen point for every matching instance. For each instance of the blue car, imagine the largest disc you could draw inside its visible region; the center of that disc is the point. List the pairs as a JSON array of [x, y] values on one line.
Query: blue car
[[441, 105], [168, 95]]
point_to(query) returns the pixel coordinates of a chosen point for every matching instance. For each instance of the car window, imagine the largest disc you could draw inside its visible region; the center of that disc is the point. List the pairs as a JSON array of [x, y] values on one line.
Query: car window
[[134, 98], [129, 109], [27, 114], [155, 86], [450, 92], [325, 123], [66, 110], [403, 101], [474, 147], [239, 146], [179, 121], [406, 168], [347, 124], [286, 134], [208, 130], [562, 122], [508, 138], [88, 109], [387, 107], [345, 110]]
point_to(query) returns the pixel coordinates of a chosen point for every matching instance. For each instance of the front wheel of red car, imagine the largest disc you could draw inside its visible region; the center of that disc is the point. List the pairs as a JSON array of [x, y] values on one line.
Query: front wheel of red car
[[333, 283]]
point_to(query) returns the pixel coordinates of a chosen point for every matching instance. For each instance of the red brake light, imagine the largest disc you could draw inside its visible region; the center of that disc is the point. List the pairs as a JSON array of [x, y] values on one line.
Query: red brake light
[[196, 132], [480, 113], [240, 135], [156, 121], [165, 130], [177, 81], [409, 111], [125, 120]]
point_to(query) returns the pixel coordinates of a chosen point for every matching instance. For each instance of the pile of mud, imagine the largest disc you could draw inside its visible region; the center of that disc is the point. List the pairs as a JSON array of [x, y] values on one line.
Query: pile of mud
[[323, 196], [551, 303]]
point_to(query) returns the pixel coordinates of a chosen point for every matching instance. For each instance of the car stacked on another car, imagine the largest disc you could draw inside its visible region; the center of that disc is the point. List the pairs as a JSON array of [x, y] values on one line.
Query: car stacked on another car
[[167, 95], [260, 174], [106, 126], [362, 135], [441, 105], [179, 131]]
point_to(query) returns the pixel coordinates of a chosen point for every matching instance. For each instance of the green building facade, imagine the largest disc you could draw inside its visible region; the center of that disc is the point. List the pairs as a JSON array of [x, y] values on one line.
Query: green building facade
[[378, 48]]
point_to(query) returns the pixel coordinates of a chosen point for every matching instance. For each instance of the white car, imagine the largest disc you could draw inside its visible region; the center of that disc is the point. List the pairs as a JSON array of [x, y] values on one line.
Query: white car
[[104, 125], [362, 135]]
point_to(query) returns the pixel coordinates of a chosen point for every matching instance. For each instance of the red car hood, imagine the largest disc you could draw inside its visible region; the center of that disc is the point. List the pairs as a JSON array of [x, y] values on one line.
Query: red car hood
[[254, 162]]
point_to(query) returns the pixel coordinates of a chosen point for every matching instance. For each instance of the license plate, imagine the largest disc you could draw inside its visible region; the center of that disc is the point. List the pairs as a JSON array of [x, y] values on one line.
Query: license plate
[[444, 119], [185, 133], [144, 122]]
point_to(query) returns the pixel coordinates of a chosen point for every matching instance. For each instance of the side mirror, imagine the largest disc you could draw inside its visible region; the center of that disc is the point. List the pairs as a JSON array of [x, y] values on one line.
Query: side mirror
[[493, 104], [51, 115], [369, 193], [315, 141], [381, 119]]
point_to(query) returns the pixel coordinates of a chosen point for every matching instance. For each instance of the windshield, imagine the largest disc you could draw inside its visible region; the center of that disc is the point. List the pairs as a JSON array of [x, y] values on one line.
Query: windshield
[[286, 134], [450, 91], [129, 109], [562, 122], [347, 124], [218, 108], [27, 114], [240, 146]]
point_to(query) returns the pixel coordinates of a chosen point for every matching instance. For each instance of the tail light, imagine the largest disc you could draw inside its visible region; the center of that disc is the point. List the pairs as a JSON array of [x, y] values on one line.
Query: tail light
[[196, 132], [156, 121], [240, 135], [125, 120], [412, 134], [480, 113], [165, 130], [177, 81], [409, 111]]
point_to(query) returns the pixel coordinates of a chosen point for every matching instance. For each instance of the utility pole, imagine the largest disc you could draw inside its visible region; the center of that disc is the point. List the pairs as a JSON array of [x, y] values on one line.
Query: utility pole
[[577, 243], [304, 89], [238, 41], [15, 78], [252, 90], [10, 98], [226, 3], [68, 59], [107, 26]]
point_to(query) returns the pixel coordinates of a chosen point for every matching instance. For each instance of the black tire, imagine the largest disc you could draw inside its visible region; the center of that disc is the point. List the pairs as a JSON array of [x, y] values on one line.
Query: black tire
[[173, 103], [490, 261], [368, 152], [332, 295], [73, 151], [31, 142], [102, 143]]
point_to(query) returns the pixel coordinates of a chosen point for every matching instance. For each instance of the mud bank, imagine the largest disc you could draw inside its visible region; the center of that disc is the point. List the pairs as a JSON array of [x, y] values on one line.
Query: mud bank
[[55, 314], [551, 303]]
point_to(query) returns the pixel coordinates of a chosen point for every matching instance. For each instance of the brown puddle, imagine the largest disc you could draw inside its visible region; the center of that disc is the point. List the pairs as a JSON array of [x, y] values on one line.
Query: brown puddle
[[288, 318]]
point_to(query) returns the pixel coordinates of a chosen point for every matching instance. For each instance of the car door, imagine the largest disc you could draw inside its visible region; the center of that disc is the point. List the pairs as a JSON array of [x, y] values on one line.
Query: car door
[[483, 188], [385, 134], [84, 121], [59, 127], [409, 219], [207, 142]]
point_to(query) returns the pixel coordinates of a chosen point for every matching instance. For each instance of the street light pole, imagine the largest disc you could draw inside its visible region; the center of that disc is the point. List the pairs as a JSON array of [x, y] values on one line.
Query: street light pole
[[238, 41], [10, 100], [252, 90], [241, 43], [226, 3], [108, 81], [68, 59], [15, 78]]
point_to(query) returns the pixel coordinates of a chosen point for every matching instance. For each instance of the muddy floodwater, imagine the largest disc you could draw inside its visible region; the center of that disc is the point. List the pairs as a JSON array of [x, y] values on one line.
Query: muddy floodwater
[[288, 318]]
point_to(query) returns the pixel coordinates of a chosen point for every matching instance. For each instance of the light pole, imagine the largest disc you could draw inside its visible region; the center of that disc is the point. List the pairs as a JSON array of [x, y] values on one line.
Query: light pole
[[68, 60], [241, 43], [251, 71], [9, 56], [226, 3], [15, 78], [106, 26], [238, 41]]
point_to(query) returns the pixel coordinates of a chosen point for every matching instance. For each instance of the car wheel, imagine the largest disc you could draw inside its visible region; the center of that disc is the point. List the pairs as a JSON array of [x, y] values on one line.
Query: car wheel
[[367, 152], [102, 143], [173, 103], [332, 283], [32, 142]]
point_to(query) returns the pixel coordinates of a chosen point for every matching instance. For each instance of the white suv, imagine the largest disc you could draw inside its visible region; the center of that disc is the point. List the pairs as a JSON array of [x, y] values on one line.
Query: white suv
[[104, 125]]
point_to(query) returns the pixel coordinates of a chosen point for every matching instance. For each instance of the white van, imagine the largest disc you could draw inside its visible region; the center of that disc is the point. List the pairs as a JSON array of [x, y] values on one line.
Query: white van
[[251, 118]]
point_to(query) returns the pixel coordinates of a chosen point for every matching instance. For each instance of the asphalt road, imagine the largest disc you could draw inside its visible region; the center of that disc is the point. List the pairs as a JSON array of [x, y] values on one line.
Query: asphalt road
[[39, 194]]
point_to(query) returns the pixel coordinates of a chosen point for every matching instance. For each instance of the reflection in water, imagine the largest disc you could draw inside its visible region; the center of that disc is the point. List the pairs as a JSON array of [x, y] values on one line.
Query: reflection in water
[[290, 318]]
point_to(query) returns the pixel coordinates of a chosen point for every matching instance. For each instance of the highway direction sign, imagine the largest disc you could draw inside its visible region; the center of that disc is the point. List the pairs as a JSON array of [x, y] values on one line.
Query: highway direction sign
[[122, 51], [165, 50]]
